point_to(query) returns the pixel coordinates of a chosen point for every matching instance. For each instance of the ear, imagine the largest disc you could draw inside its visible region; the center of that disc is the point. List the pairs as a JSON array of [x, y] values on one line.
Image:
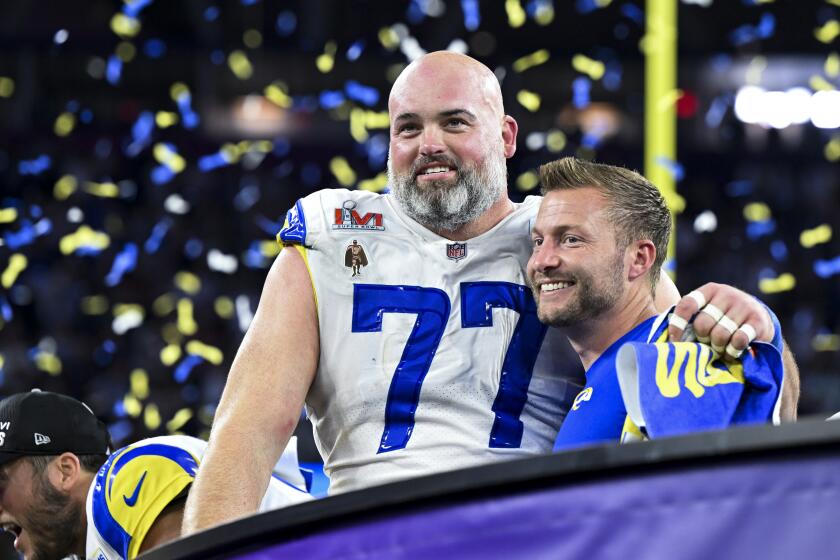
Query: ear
[[641, 254], [64, 471], [510, 128]]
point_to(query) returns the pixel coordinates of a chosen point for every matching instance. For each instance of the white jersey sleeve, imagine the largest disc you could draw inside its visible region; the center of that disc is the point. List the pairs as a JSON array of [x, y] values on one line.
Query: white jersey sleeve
[[432, 357], [137, 482]]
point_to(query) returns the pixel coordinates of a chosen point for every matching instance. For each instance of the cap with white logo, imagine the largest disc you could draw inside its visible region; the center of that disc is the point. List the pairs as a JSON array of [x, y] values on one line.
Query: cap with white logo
[[44, 423]]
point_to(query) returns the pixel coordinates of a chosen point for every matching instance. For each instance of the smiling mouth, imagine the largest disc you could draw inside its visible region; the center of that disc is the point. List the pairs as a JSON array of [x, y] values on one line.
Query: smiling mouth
[[544, 288], [434, 170]]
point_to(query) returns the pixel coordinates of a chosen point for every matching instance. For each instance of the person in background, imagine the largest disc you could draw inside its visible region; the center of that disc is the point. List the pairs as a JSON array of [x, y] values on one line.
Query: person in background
[[599, 242], [63, 492]]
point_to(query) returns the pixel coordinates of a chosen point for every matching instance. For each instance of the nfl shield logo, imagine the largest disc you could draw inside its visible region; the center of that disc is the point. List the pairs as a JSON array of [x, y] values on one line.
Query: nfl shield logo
[[456, 251]]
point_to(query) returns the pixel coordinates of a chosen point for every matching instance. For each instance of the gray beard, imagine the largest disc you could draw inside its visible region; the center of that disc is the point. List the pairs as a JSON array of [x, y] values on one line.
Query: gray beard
[[441, 207]]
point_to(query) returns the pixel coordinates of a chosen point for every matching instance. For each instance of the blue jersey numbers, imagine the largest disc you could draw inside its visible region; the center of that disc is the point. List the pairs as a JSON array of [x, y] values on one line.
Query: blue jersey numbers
[[432, 308]]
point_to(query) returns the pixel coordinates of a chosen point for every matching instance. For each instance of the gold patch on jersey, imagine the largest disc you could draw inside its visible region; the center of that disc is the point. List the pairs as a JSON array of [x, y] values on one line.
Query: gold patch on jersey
[[355, 258]]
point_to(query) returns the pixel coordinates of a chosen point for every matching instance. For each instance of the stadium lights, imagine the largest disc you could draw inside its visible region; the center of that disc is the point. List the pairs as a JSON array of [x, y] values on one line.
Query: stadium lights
[[780, 109]]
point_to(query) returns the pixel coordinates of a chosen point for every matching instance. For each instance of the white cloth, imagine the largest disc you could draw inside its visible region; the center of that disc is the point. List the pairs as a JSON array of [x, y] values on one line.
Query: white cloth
[[454, 410]]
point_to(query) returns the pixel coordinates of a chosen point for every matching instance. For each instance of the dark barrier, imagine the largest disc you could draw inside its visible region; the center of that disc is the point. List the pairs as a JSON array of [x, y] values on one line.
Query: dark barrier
[[761, 492]]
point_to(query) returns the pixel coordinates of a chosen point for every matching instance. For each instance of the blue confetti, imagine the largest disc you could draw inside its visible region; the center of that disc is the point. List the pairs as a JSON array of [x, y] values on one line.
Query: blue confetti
[[211, 13], [188, 116], [86, 116], [739, 188], [133, 8], [72, 106], [310, 174], [185, 367], [6, 309], [249, 2], [621, 31], [286, 23], [330, 99], [612, 75], [282, 146], [246, 197], [717, 110], [120, 430], [633, 12], [748, 33], [580, 92], [779, 250], [472, 16], [156, 238], [34, 166], [141, 133], [366, 95], [756, 230], [253, 257], [213, 161], [193, 248], [721, 62], [161, 174], [586, 6], [268, 226], [675, 168], [355, 50], [827, 268], [376, 148], [21, 238], [113, 70], [35, 211], [415, 13], [104, 353], [190, 393], [43, 227], [154, 48], [590, 140], [217, 57], [283, 170], [124, 262]]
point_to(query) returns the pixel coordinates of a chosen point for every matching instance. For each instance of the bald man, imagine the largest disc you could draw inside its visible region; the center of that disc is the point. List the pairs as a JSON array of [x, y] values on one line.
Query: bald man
[[434, 359]]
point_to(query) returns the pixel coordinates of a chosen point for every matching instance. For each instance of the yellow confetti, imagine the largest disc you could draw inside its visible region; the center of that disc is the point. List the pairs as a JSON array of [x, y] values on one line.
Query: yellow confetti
[[326, 61], [270, 249], [64, 124], [832, 149], [178, 90], [170, 354], [125, 26], [139, 383], [126, 308], [755, 70], [529, 61], [240, 65], [832, 65], [209, 353], [64, 187], [105, 190], [593, 68], [835, 2], [544, 13], [527, 181], [126, 51], [48, 362], [231, 152], [168, 157], [2, 361], [826, 343], [528, 99], [94, 305], [132, 406], [515, 13], [828, 32], [177, 422], [342, 171], [812, 237], [188, 282], [757, 212], [223, 306], [7, 86], [389, 38], [17, 264], [374, 184], [165, 119], [163, 305], [555, 141], [151, 417], [361, 121], [818, 83], [783, 283], [252, 38], [8, 215], [186, 324], [170, 334]]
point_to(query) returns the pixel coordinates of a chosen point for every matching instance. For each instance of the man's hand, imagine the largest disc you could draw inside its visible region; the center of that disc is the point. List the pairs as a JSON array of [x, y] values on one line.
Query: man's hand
[[726, 318]]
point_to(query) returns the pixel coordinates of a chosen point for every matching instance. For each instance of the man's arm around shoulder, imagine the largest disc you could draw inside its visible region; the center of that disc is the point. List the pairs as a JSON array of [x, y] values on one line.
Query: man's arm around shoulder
[[262, 400]]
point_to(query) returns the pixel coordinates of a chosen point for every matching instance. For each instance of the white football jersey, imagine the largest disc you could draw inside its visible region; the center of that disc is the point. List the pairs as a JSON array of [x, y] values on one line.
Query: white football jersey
[[432, 357], [138, 481]]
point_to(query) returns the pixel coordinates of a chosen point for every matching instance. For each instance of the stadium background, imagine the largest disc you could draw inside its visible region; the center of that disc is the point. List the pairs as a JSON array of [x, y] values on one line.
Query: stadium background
[[150, 150]]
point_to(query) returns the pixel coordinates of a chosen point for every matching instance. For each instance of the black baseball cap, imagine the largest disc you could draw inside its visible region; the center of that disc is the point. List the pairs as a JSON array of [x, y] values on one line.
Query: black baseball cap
[[44, 423]]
